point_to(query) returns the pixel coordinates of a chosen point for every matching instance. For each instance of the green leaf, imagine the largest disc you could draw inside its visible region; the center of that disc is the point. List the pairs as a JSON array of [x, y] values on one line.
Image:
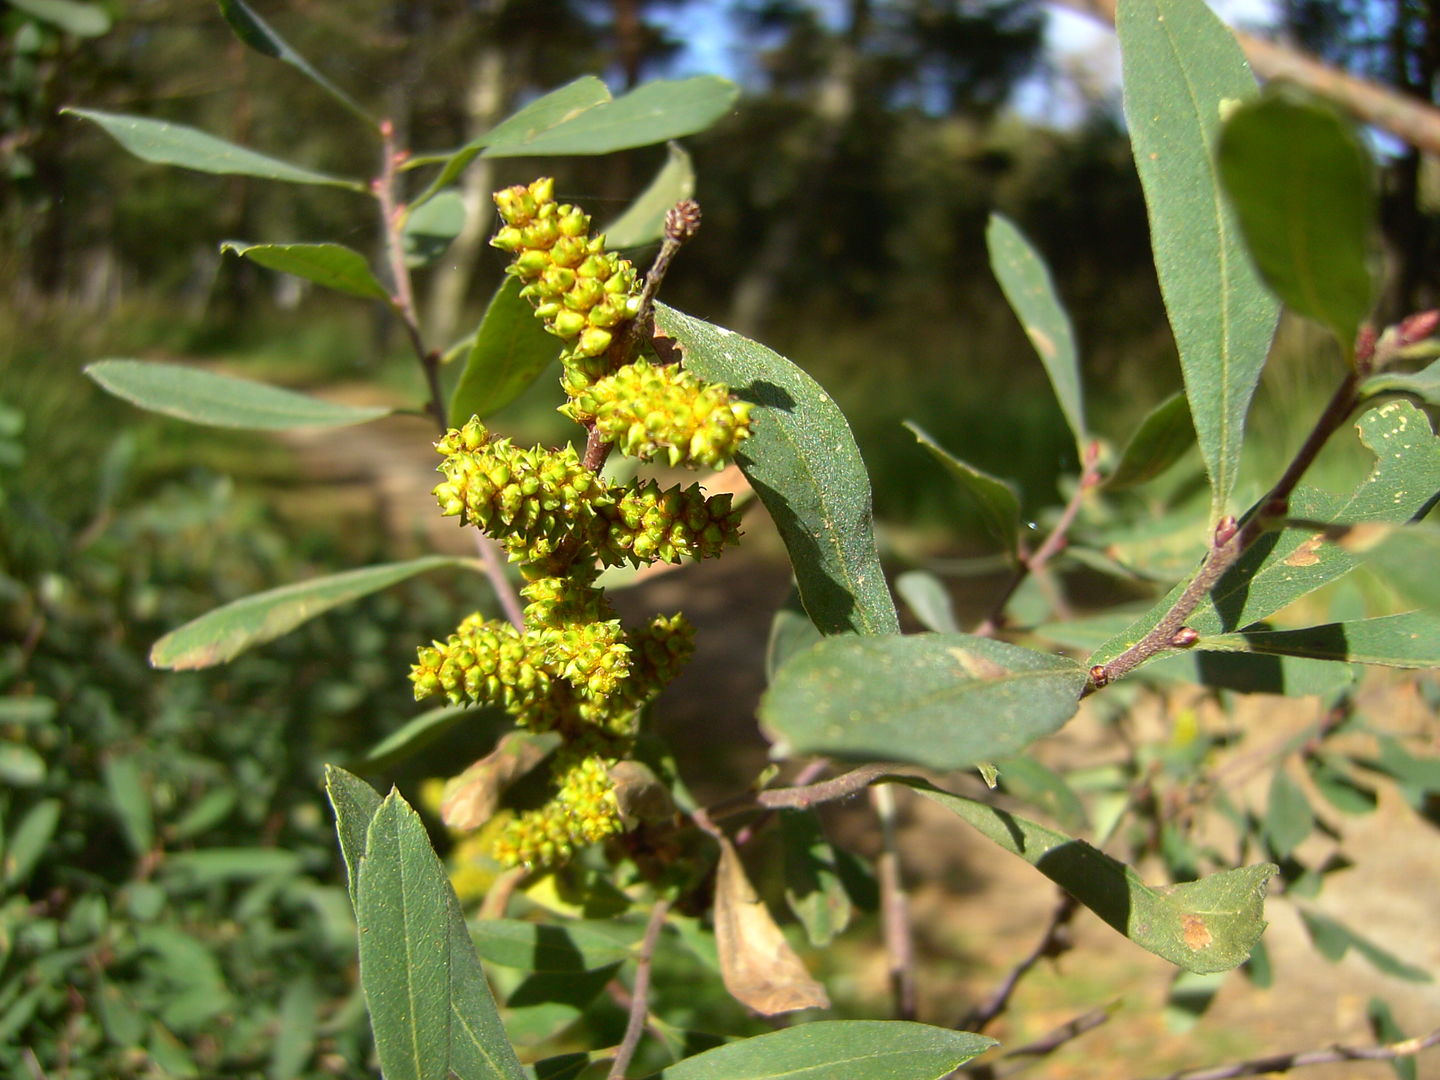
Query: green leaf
[[791, 633], [253, 31], [1189, 999], [82, 20], [928, 600], [1405, 557], [1285, 565], [803, 463], [993, 502], [1183, 70], [829, 1049], [651, 113], [643, 221], [334, 266], [400, 906], [295, 1033], [510, 350], [548, 948], [1333, 940], [355, 803], [223, 634], [947, 701], [209, 865], [1202, 926], [1341, 790], [203, 397], [1288, 817], [551, 110], [1025, 280], [27, 710], [1424, 385], [1160, 441], [431, 226], [27, 842], [479, 1046], [1041, 786], [1253, 673], [1303, 189], [1411, 640], [413, 736], [164, 143], [20, 765], [813, 889], [130, 797], [1382, 1021]]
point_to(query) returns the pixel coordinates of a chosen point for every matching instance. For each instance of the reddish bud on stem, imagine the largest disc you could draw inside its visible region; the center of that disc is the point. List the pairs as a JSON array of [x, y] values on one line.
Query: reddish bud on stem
[[1184, 637], [1418, 327]]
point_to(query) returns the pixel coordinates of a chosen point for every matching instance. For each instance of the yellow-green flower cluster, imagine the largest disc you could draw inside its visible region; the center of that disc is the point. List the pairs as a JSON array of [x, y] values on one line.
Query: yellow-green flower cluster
[[647, 409], [583, 811], [581, 291], [541, 501]]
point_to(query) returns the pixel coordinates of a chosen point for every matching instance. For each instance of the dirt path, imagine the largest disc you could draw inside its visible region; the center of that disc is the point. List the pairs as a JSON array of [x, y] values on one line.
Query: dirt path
[[976, 909]]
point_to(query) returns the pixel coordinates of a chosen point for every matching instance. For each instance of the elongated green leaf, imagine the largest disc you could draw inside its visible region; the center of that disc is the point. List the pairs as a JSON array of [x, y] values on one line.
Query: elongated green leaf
[[432, 226], [1025, 279], [928, 600], [82, 20], [209, 865], [1182, 71], [1405, 556], [510, 350], [1253, 673], [1424, 385], [420, 732], [993, 501], [1334, 939], [20, 765], [1334, 782], [333, 265], [203, 397], [130, 797], [27, 842], [1038, 784], [1202, 926], [1288, 817], [255, 32], [791, 633], [295, 1035], [830, 1049], [813, 889], [643, 221], [226, 632], [479, 1046], [802, 461], [1283, 566], [943, 700], [400, 906], [546, 947], [355, 803], [1411, 640], [551, 110], [651, 113], [1303, 189], [1159, 442], [165, 143]]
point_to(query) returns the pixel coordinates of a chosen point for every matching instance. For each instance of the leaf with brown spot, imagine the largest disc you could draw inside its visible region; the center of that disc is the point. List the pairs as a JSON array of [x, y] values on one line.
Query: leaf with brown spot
[[758, 966], [472, 798], [1305, 554]]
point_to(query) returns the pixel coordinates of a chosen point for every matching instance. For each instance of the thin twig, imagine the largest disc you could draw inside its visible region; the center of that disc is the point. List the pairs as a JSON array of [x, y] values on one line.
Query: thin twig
[[802, 779], [1281, 1063], [894, 908], [640, 995], [1052, 545], [1230, 541], [497, 899], [403, 305], [1053, 942], [1055, 1039]]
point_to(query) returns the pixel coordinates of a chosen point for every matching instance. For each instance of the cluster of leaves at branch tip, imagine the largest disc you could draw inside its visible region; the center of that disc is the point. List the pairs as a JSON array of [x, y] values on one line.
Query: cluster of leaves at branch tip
[[574, 669]]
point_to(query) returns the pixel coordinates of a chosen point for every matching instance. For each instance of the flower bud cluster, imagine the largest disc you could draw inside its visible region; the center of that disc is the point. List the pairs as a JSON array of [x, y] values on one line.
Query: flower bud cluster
[[582, 292], [648, 409], [583, 811]]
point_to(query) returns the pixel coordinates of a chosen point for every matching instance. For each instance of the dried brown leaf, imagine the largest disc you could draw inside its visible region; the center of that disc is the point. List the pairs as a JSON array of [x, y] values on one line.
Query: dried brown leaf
[[471, 798]]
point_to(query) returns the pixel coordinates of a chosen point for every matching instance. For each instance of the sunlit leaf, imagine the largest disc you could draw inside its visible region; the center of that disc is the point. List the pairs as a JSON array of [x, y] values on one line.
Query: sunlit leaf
[[1411, 640], [791, 633], [928, 600], [831, 1049], [1303, 189], [546, 947], [203, 397], [993, 502], [510, 349], [643, 221], [223, 634], [1405, 557], [82, 20], [1288, 817], [1025, 279], [164, 143], [813, 889], [1202, 926], [332, 265], [1182, 72], [432, 226], [1334, 939], [1424, 384], [803, 463], [1160, 441], [943, 700]]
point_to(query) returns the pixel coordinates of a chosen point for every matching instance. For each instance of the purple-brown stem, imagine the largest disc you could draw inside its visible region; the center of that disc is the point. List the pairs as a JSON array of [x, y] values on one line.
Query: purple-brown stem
[[1283, 1063], [1053, 942], [640, 994]]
